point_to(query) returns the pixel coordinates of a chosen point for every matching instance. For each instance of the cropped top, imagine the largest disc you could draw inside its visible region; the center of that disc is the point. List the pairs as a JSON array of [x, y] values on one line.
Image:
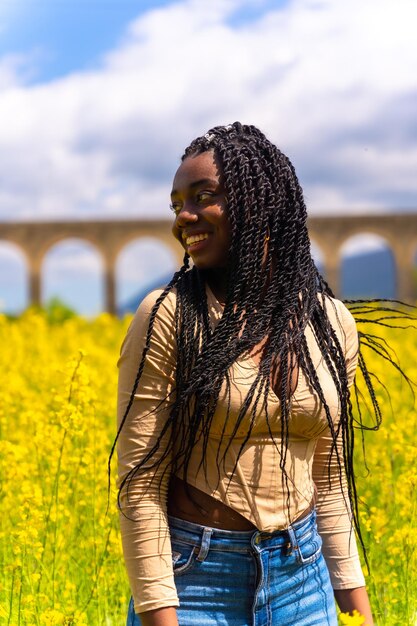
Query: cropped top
[[255, 490]]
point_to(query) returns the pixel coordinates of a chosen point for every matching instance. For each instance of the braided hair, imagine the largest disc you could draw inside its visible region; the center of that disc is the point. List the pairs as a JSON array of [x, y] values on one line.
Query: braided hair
[[272, 293]]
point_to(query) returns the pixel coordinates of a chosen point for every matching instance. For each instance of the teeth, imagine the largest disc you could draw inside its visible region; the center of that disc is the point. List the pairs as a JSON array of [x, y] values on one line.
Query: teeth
[[194, 238]]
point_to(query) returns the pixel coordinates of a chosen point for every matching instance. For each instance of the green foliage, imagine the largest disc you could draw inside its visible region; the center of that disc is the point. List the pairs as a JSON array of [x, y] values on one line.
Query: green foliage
[[57, 311]]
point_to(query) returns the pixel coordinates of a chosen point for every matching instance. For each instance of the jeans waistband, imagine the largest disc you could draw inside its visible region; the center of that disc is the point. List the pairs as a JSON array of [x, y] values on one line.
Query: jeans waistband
[[230, 540]]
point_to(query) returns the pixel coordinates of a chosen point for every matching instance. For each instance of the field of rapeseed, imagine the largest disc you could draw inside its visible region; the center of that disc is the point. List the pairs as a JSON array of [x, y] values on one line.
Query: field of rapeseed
[[60, 554]]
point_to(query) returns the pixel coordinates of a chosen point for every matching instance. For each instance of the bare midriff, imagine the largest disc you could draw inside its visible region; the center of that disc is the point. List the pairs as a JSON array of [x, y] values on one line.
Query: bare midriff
[[193, 505]]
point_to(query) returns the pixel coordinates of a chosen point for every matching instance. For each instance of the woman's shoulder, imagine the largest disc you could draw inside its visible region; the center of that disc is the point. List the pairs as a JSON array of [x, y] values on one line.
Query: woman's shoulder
[[342, 321], [164, 316], [167, 305], [336, 311], [163, 324]]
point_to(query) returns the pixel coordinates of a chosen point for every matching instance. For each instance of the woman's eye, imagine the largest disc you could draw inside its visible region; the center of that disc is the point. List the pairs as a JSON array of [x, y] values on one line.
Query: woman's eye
[[200, 198], [203, 196], [175, 207]]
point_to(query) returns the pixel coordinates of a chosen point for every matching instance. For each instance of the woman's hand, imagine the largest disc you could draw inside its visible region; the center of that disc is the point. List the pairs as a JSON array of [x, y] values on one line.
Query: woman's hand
[[351, 599], [166, 616]]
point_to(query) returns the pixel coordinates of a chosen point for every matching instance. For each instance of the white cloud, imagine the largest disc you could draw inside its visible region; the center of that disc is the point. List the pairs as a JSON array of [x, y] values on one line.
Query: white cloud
[[10, 251], [16, 70], [62, 263], [363, 244], [316, 76], [137, 261]]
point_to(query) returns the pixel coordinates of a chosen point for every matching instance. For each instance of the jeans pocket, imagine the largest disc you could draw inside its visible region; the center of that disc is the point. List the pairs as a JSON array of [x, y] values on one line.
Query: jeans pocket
[[183, 557], [309, 548]]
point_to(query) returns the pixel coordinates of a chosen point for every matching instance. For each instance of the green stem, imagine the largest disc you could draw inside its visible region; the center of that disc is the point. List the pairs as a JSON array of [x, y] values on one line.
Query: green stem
[[11, 598], [53, 499], [55, 531], [54, 495], [20, 600], [98, 570]]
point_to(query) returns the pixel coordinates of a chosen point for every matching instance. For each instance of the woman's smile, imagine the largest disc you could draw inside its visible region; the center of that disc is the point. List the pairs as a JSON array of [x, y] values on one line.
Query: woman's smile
[[192, 241]]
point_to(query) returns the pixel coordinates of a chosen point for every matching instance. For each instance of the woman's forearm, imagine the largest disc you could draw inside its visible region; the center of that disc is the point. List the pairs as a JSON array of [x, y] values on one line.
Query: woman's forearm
[[351, 599], [166, 616]]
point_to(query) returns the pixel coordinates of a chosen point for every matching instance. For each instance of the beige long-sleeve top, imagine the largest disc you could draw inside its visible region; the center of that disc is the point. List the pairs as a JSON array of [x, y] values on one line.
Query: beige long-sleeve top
[[256, 489]]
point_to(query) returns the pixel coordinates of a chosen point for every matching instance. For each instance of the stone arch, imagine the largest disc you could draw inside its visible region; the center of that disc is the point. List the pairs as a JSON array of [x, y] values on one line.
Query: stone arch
[[142, 264], [72, 270], [368, 267], [14, 278], [61, 237], [163, 237], [109, 236]]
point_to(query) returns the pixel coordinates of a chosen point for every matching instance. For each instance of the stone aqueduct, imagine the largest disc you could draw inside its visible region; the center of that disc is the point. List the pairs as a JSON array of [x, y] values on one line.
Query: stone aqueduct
[[109, 237]]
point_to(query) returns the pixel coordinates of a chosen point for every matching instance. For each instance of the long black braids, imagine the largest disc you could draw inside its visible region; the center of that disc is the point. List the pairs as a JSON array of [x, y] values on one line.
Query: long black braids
[[273, 292]]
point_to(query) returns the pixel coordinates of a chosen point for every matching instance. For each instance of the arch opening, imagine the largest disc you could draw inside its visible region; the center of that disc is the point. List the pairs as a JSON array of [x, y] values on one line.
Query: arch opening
[[142, 265], [367, 268], [14, 280], [72, 272]]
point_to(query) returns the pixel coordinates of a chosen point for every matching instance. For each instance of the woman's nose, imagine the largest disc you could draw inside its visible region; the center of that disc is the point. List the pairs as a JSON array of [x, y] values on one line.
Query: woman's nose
[[186, 215]]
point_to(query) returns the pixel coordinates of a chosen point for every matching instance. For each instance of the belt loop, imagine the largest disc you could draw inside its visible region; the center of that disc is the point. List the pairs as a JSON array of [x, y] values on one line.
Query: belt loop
[[205, 544], [293, 545]]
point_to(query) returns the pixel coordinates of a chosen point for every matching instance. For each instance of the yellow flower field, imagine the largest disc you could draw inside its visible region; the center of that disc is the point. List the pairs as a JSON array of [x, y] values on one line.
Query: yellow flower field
[[60, 553]]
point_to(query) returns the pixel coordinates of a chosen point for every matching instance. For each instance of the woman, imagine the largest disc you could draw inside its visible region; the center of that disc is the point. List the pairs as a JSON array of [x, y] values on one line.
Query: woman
[[235, 425]]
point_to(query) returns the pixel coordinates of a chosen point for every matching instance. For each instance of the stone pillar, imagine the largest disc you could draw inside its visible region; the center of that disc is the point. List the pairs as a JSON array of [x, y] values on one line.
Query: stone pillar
[[404, 280], [332, 271], [35, 286], [110, 289]]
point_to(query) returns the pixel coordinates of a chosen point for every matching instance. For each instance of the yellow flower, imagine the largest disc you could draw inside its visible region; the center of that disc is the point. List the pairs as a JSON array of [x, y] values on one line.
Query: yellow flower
[[60, 555], [52, 617], [352, 619]]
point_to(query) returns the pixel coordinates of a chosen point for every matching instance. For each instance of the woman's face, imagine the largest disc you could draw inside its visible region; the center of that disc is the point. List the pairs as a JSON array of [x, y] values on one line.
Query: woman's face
[[201, 224]]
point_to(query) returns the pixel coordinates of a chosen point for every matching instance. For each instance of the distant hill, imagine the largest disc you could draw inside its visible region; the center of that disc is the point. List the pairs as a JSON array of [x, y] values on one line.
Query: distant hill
[[369, 275]]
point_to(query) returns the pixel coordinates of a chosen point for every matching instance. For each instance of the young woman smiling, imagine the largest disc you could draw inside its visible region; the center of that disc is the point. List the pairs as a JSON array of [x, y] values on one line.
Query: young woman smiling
[[235, 440]]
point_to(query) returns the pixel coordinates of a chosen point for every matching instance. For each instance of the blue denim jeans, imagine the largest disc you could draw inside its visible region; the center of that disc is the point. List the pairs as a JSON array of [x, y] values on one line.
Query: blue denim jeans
[[231, 578]]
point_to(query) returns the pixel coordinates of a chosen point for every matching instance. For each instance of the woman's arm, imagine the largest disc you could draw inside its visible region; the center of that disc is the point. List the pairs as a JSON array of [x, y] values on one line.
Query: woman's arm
[[143, 516], [334, 521], [351, 599], [160, 617], [334, 517]]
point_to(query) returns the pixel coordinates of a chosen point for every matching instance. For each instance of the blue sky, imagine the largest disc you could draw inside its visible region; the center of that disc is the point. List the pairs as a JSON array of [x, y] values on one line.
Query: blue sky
[[67, 35], [72, 35], [99, 97]]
